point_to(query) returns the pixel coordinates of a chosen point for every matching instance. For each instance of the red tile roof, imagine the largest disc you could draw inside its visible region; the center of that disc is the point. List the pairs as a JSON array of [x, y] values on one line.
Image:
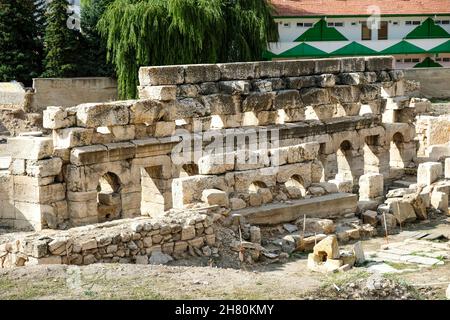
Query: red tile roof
[[359, 7]]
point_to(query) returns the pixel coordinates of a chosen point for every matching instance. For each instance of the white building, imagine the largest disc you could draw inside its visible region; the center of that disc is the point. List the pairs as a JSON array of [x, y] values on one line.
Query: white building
[[416, 32]]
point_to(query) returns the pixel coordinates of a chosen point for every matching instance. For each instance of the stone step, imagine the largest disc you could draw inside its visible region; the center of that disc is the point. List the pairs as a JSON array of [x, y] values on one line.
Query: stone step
[[328, 206]]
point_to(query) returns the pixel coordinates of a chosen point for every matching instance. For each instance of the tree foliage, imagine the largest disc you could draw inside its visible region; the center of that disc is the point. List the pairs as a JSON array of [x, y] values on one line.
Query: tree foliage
[[164, 32], [94, 47], [20, 46], [61, 43]]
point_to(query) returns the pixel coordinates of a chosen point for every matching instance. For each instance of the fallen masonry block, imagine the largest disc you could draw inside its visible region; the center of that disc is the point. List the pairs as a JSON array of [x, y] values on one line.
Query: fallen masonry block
[[428, 172]]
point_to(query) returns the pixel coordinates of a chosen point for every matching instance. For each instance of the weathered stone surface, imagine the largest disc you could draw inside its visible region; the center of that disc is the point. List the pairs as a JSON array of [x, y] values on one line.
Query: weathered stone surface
[[370, 217], [258, 101], [44, 168], [201, 73], [328, 248], [57, 117], [439, 200], [402, 210], [93, 115], [162, 93], [72, 137], [155, 76], [428, 172], [371, 186], [32, 148], [237, 204], [215, 197], [158, 258]]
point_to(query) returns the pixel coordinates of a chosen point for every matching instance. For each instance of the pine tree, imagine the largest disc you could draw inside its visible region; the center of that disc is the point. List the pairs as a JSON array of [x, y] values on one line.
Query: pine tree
[[94, 47], [160, 32], [61, 43], [20, 45]]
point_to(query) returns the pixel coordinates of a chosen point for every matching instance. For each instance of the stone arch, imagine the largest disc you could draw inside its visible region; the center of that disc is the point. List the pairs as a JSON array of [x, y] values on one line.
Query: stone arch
[[396, 153], [259, 193], [109, 198], [295, 187], [344, 157]]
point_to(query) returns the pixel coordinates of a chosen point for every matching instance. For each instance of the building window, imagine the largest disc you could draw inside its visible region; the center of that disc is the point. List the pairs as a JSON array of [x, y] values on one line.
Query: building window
[[407, 60], [354, 23], [299, 24], [395, 23], [445, 21], [399, 60], [335, 24], [415, 60], [286, 24], [383, 31], [366, 32], [446, 59], [438, 59], [414, 23], [308, 24]]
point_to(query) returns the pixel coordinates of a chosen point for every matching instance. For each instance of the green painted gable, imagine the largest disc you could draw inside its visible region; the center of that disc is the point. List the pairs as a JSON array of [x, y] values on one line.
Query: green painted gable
[[353, 49], [303, 50], [428, 29], [443, 48], [428, 63], [321, 32], [403, 47]]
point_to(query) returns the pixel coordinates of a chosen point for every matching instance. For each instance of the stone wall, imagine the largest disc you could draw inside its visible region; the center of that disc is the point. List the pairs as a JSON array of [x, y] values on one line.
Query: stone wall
[[266, 132], [140, 241], [433, 81], [65, 92]]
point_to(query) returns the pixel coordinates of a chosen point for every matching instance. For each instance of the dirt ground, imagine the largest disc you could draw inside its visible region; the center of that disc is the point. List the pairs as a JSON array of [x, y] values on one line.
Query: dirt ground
[[288, 279]]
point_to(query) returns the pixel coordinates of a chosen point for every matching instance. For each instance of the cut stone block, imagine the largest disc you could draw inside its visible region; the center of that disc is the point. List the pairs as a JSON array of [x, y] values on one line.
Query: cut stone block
[[439, 201], [215, 197], [72, 137], [428, 172], [57, 117], [32, 148], [162, 93], [94, 115], [371, 186], [162, 75], [44, 168]]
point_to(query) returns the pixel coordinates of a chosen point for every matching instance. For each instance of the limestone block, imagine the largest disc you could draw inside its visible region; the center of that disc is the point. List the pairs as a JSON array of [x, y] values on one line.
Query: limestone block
[[370, 217], [31, 214], [248, 159], [162, 93], [326, 80], [93, 115], [188, 90], [258, 101], [39, 194], [403, 211], [344, 94], [352, 79], [146, 112], [44, 168], [327, 248], [72, 137], [234, 87], [287, 99], [120, 151], [164, 128], [186, 108], [419, 205], [238, 71], [222, 104], [32, 148], [439, 201], [303, 152], [315, 96], [237, 204], [57, 117], [163, 75], [201, 73], [89, 155], [371, 186], [80, 210], [428, 172], [303, 170], [352, 64], [327, 66], [343, 185], [17, 166], [301, 82], [379, 63], [215, 197], [216, 163], [189, 189], [447, 168]]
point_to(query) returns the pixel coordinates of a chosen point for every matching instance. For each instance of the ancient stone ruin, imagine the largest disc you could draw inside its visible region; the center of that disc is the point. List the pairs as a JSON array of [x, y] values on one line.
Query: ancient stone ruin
[[269, 142]]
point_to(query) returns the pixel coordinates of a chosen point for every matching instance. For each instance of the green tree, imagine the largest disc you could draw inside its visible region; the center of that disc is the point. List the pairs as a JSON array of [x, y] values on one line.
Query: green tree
[[20, 45], [61, 42], [94, 47], [161, 32]]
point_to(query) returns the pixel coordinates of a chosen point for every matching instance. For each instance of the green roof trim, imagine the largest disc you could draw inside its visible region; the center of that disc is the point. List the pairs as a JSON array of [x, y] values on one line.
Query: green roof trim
[[428, 63], [360, 16], [443, 48], [353, 49], [321, 32], [303, 50], [268, 55], [403, 47], [428, 30]]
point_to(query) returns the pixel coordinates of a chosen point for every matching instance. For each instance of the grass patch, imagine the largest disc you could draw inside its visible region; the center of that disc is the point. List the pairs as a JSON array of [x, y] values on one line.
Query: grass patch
[[401, 265], [341, 279]]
